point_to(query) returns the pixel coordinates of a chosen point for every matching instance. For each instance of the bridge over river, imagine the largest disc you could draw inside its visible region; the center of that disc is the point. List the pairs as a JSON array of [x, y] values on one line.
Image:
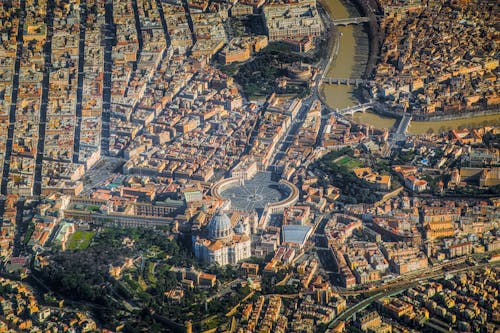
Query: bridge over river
[[345, 81], [350, 110], [351, 20], [399, 132]]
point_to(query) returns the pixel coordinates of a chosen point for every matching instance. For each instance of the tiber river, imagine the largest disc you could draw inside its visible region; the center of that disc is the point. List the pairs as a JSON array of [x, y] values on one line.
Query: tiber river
[[351, 62]]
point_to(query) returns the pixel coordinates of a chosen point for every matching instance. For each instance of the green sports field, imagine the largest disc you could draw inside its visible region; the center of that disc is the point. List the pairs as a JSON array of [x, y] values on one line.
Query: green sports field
[[348, 162], [80, 240]]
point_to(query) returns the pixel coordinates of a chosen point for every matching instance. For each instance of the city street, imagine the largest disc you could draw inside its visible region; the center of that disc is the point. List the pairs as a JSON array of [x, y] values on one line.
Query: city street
[[13, 104], [47, 55], [400, 287]]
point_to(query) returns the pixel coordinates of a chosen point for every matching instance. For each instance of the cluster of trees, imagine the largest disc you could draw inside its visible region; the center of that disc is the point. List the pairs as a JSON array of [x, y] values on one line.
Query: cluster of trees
[[257, 77], [269, 284], [226, 273], [403, 157], [495, 190], [144, 240], [491, 140], [196, 306], [353, 189], [81, 275]]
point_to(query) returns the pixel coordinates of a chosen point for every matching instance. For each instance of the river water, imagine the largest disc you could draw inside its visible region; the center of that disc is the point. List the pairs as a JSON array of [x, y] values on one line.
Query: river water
[[352, 55], [350, 62]]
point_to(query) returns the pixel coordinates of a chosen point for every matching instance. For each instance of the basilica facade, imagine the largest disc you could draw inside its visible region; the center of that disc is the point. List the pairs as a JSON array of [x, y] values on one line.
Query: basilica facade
[[223, 243]]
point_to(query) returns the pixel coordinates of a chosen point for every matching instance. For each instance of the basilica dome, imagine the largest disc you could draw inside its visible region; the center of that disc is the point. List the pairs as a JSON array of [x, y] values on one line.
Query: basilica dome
[[220, 227]]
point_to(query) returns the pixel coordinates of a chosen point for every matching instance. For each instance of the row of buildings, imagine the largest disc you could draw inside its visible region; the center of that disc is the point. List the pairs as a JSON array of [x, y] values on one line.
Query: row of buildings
[[463, 302], [423, 66], [88, 85], [56, 109], [407, 235], [21, 311]]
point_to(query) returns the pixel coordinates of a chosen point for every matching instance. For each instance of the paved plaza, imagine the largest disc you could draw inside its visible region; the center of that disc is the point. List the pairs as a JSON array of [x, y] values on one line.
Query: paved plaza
[[255, 193]]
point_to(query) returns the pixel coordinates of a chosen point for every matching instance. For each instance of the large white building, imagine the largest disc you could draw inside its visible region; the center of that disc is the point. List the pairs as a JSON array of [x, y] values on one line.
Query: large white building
[[292, 19], [224, 244]]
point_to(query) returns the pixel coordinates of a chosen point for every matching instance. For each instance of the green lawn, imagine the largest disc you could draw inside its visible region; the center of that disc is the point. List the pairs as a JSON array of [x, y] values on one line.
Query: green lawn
[[142, 284], [80, 240], [348, 162], [211, 322], [151, 273], [132, 284]]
